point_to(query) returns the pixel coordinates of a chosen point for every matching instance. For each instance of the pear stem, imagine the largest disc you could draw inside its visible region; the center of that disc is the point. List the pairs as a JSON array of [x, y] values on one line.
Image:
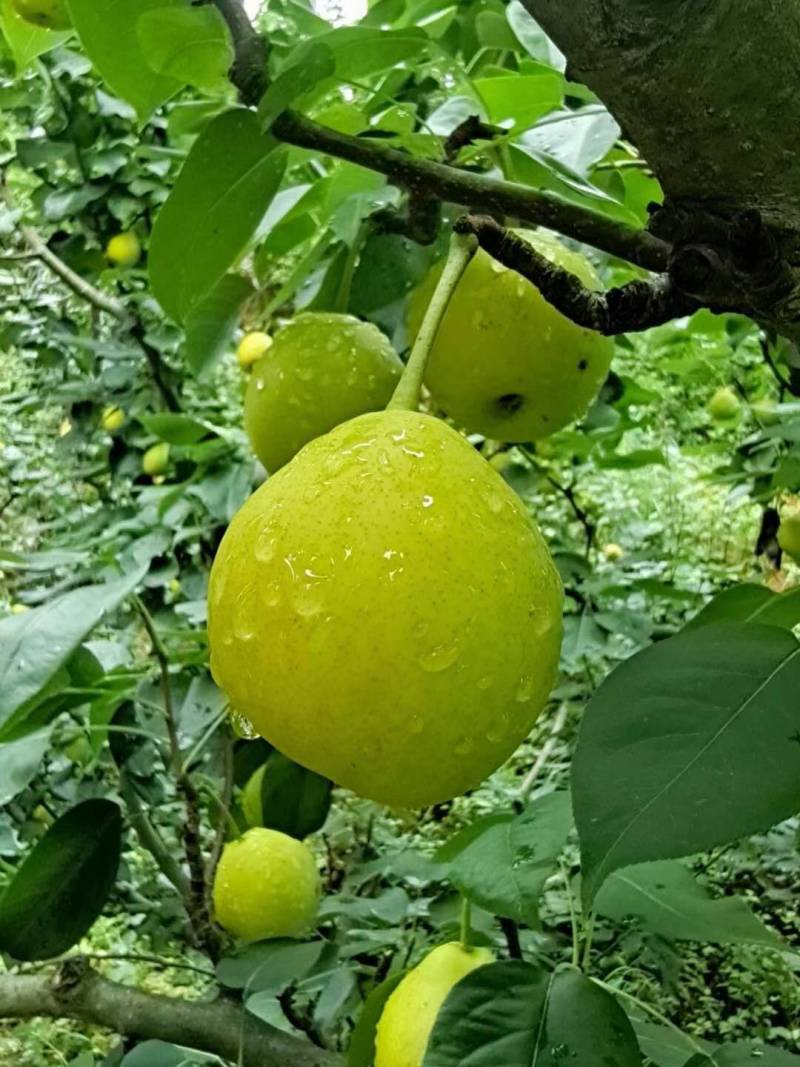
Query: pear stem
[[466, 924], [463, 247]]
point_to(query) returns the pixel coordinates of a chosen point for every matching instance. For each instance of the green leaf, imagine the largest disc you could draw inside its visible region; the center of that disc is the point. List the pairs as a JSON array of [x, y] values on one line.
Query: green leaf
[[312, 66], [504, 867], [520, 98], [668, 900], [665, 1046], [191, 44], [361, 1050], [19, 762], [745, 1054], [26, 41], [35, 645], [523, 1017], [493, 31], [176, 429], [161, 1054], [751, 603], [532, 38], [708, 722], [269, 966], [577, 139], [111, 42], [211, 325], [294, 800], [63, 884], [359, 51], [221, 195]]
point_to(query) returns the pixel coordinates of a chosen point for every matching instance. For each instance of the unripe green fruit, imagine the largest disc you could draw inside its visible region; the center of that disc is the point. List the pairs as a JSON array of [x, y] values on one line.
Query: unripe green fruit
[[252, 347], [389, 556], [613, 551], [155, 461], [408, 1018], [112, 419], [789, 533], [266, 885], [505, 363], [251, 798], [46, 14], [724, 405], [321, 370], [124, 250]]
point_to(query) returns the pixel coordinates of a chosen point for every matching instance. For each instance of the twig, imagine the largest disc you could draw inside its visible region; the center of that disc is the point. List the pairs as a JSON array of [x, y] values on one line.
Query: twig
[[108, 304], [220, 1027], [298, 1021], [472, 129], [545, 752], [425, 177], [766, 352], [200, 913], [569, 494], [145, 957], [249, 71], [150, 839], [636, 306], [511, 934], [224, 817]]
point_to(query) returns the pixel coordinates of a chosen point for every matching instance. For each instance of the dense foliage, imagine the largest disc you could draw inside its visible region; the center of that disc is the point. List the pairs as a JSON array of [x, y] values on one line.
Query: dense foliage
[[632, 866]]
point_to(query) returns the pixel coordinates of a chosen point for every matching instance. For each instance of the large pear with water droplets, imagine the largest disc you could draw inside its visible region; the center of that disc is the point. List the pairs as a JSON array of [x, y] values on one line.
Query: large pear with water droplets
[[505, 363], [385, 611]]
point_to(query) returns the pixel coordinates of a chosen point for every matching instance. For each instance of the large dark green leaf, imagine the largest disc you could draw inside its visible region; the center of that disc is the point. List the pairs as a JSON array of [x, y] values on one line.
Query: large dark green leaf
[[517, 1015], [668, 900], [191, 44], [294, 800], [63, 885], [751, 603], [111, 41], [504, 866], [692, 743], [35, 645], [221, 195], [269, 966], [210, 327]]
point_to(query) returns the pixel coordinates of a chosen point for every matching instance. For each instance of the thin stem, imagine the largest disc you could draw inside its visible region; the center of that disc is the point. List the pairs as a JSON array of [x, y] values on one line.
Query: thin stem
[[588, 939], [150, 839], [546, 750], [224, 816], [145, 957], [466, 924], [406, 396], [573, 918], [199, 913]]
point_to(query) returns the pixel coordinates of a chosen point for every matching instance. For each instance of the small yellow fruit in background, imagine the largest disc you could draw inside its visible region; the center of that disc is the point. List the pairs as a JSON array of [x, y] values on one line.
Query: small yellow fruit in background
[[252, 347], [174, 586], [390, 556], [251, 798], [113, 419], [724, 405], [322, 369], [408, 1018], [19, 609], [155, 461], [266, 885], [124, 250], [789, 531], [613, 551], [46, 14], [505, 363]]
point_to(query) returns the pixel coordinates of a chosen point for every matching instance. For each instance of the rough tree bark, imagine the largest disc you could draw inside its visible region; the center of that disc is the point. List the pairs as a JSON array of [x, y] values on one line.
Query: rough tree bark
[[706, 89]]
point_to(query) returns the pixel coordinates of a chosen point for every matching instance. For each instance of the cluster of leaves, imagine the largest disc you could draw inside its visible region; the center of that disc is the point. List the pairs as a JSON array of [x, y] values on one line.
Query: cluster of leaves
[[690, 745]]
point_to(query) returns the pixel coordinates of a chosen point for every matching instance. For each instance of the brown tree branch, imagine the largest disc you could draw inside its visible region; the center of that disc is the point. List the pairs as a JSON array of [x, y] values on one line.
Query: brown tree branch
[[220, 1027], [203, 926], [92, 295], [635, 306], [426, 177], [249, 71]]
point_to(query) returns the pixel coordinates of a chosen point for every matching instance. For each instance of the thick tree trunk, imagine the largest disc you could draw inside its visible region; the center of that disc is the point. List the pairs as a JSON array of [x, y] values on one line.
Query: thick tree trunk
[[707, 90]]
